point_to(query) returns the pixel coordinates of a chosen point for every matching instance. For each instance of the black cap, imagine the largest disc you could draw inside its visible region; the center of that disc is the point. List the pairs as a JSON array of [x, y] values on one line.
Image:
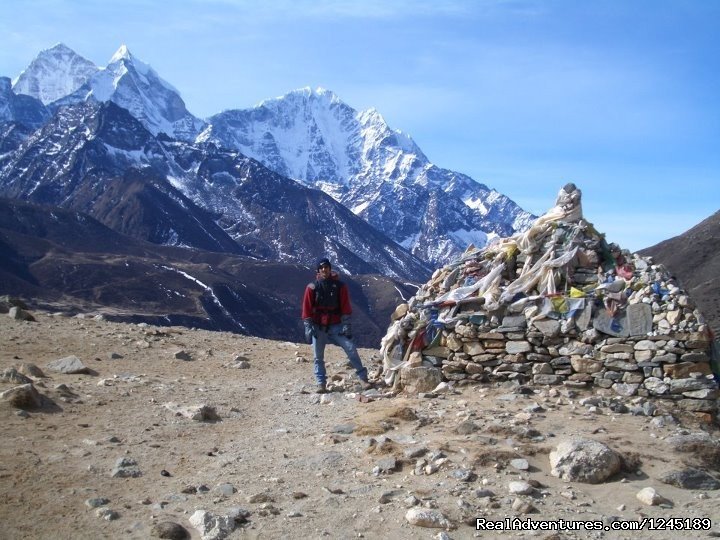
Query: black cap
[[323, 262]]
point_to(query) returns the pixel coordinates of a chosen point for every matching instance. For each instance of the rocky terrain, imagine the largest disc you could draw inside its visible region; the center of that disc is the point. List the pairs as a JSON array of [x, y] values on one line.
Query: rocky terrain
[[694, 258], [177, 433]]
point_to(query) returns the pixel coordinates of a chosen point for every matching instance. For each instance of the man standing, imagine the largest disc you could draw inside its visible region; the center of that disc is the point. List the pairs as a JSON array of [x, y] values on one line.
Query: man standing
[[326, 314]]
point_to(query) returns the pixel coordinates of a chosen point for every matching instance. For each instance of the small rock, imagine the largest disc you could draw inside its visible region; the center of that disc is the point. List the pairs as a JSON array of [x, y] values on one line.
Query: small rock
[[520, 464], [520, 487], [170, 530], [523, 507], [183, 355], [427, 517], [106, 514], [96, 502], [650, 497]]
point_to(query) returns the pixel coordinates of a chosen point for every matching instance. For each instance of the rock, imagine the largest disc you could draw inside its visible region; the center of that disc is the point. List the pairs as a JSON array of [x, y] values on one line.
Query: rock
[[20, 314], [690, 479], [650, 497], [428, 517], [517, 347], [126, 467], [30, 370], [225, 489], [520, 487], [23, 397], [106, 513], [385, 466], [523, 507], [198, 413], [171, 530], [69, 365], [183, 355], [520, 464], [584, 460], [420, 379], [211, 526], [96, 502], [13, 376]]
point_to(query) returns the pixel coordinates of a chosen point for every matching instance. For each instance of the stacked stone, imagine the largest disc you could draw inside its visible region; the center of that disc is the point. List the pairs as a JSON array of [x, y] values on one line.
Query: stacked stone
[[633, 330]]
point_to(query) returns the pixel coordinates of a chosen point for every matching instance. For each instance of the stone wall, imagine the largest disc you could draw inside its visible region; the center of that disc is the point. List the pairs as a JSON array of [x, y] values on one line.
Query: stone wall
[[559, 306]]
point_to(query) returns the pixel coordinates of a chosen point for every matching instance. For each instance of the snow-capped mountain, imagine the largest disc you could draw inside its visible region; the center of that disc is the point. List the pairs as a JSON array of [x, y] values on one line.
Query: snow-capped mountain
[[377, 172], [97, 158], [126, 80], [54, 73]]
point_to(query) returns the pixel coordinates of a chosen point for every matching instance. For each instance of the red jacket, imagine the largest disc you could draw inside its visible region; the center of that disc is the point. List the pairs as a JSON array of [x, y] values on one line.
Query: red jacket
[[326, 316]]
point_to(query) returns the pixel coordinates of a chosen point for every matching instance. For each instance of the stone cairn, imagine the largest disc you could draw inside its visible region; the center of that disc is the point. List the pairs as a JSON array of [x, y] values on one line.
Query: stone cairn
[[555, 305]]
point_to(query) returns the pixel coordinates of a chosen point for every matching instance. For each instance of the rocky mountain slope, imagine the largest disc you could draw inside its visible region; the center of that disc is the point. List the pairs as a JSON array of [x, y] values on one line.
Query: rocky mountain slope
[[379, 173], [311, 137], [694, 258], [54, 73], [65, 260], [98, 159]]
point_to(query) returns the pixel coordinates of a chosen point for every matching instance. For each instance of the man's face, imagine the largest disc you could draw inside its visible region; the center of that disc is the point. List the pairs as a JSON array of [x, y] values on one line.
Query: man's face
[[324, 271]]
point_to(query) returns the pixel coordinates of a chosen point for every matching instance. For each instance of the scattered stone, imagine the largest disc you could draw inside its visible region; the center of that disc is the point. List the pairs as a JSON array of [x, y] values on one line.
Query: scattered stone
[[96, 502], [584, 460], [30, 370], [107, 514], [126, 467], [260, 498], [428, 517], [520, 487], [520, 464], [691, 479], [13, 376], [226, 490], [183, 355], [69, 365], [23, 397], [20, 314], [523, 507], [212, 526], [198, 413], [385, 466], [650, 497], [170, 530]]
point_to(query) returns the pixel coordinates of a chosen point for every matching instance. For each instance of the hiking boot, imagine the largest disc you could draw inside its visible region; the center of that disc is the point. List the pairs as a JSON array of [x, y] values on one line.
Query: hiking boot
[[321, 388], [365, 385]]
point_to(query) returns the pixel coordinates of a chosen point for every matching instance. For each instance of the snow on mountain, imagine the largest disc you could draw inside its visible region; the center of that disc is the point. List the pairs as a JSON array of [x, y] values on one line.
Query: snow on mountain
[[97, 158], [126, 81], [377, 172], [54, 73]]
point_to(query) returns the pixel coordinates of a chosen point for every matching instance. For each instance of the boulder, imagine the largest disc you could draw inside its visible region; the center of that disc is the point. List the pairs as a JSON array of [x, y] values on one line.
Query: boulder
[[12, 375], [415, 380], [211, 526], [690, 479], [23, 397], [584, 460], [68, 365]]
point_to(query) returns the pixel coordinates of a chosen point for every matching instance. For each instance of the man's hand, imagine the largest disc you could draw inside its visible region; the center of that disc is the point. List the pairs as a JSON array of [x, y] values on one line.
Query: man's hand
[[310, 331], [346, 330]]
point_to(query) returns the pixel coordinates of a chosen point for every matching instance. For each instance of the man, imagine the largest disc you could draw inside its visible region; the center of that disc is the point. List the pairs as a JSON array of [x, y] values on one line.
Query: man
[[326, 314]]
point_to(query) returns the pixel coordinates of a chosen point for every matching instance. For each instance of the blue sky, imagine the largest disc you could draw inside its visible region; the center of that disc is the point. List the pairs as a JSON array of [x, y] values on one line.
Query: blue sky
[[621, 97]]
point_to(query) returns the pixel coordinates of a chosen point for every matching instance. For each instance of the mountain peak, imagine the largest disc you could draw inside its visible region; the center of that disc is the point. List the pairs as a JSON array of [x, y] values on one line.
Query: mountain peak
[[123, 53], [54, 73]]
